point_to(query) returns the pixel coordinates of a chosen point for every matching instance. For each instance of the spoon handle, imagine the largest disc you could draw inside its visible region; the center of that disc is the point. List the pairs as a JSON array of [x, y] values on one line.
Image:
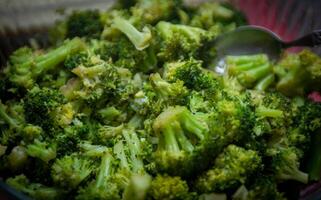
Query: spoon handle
[[311, 40]]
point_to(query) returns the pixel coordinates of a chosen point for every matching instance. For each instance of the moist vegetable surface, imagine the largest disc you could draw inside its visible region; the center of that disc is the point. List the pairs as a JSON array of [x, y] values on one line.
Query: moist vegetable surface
[[125, 104]]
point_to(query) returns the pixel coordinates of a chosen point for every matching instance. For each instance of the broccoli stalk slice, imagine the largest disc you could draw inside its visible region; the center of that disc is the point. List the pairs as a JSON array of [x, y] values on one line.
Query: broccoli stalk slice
[[170, 141], [264, 83], [247, 59], [134, 147], [105, 170], [262, 111], [251, 76], [141, 40], [11, 122]]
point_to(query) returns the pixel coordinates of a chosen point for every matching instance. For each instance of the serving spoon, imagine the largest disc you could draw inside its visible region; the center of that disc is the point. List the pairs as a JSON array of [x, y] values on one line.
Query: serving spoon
[[247, 40]]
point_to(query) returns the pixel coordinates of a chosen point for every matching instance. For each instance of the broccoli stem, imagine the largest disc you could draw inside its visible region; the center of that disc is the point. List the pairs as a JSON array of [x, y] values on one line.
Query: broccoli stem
[[170, 142], [193, 125], [105, 170], [133, 142], [251, 76], [264, 83], [246, 59], [295, 174], [141, 40], [12, 123], [182, 139], [267, 112], [53, 58]]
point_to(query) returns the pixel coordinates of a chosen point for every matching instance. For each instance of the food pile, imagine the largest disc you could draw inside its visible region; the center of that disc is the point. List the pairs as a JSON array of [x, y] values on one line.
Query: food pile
[[125, 104]]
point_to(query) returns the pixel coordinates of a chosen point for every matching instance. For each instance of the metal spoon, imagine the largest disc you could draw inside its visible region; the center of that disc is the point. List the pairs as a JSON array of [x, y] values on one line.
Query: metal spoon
[[247, 40]]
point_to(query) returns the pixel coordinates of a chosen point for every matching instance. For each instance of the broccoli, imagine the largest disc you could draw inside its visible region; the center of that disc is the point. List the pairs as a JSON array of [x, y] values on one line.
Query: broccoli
[[231, 169], [285, 164], [298, 73], [102, 187], [141, 40], [25, 66], [254, 71], [84, 24], [47, 108], [193, 76], [153, 11], [70, 171], [17, 158], [167, 187], [35, 190]]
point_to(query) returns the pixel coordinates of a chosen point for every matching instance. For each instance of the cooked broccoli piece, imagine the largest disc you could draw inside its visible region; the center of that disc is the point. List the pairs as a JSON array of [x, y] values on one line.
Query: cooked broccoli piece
[[252, 71], [298, 73], [285, 164], [168, 187], [152, 11], [35, 190], [43, 150], [141, 40], [18, 158], [182, 136], [193, 76], [231, 169], [25, 66], [70, 171], [47, 108], [86, 23], [103, 186], [137, 188], [180, 41]]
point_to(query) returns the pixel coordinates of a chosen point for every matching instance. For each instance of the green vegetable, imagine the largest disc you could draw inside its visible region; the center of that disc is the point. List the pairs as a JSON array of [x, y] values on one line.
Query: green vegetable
[[124, 105]]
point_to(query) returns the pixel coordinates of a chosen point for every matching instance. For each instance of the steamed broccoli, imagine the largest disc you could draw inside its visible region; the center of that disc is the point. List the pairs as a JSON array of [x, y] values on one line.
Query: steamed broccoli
[[133, 110], [25, 66], [231, 169], [167, 187]]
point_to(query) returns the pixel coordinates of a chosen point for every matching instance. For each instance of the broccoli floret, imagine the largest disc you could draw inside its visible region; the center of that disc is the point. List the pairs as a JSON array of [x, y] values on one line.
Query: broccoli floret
[[103, 186], [231, 169], [141, 40], [193, 76], [152, 11], [263, 187], [18, 158], [252, 71], [35, 190], [209, 14], [181, 137], [47, 108], [70, 171], [45, 151], [25, 66], [84, 24], [285, 164], [166, 90], [298, 73], [168, 187], [180, 41], [12, 122]]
